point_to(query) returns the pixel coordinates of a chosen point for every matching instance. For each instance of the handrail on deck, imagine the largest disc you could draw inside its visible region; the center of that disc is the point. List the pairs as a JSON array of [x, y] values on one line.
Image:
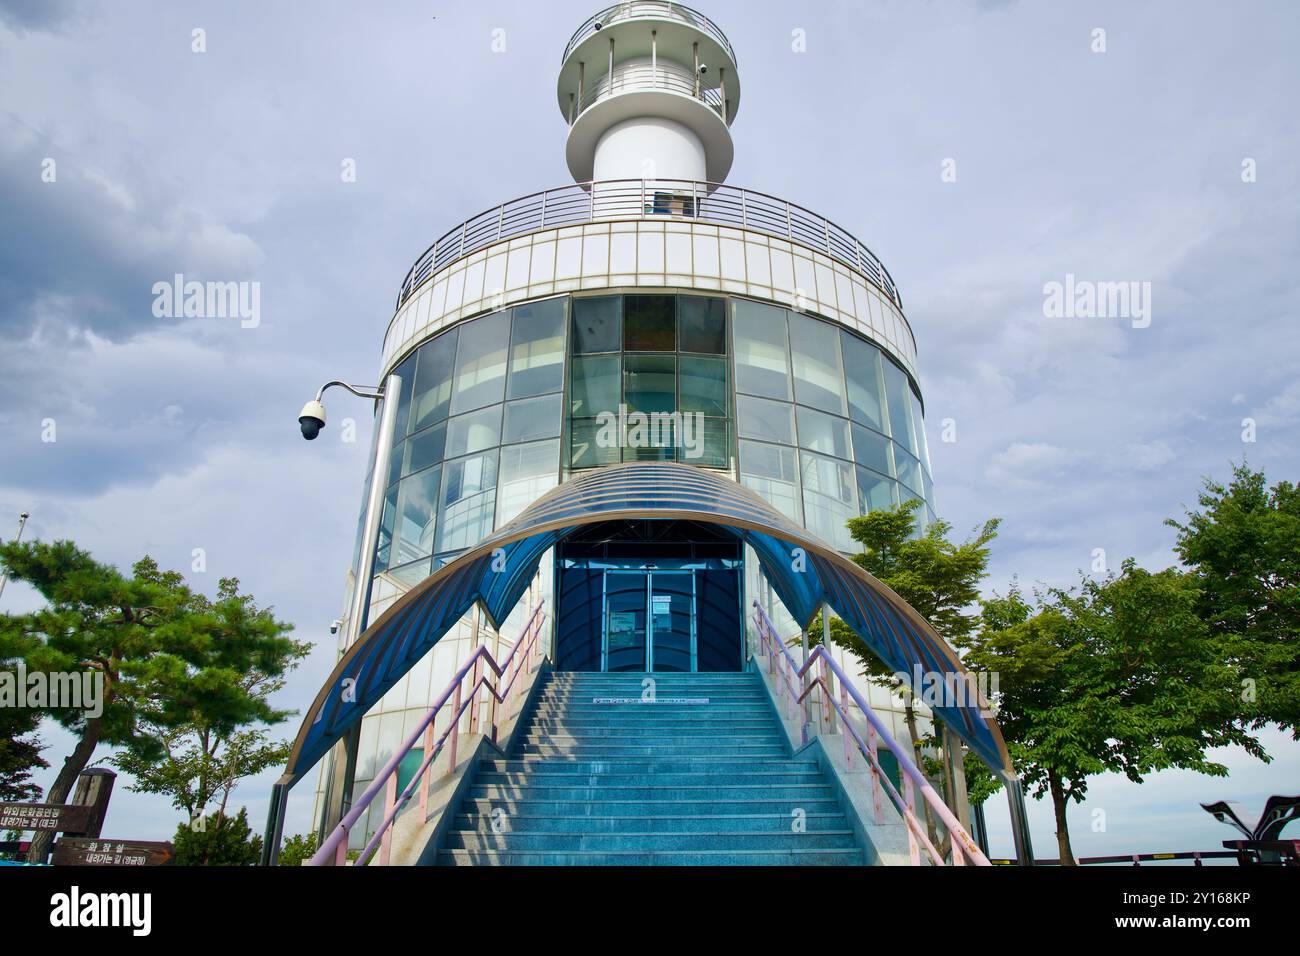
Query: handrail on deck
[[633, 9], [335, 848], [964, 848]]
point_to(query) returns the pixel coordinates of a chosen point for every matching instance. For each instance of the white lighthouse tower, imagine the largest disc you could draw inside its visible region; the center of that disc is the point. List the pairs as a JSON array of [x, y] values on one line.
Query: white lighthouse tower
[[649, 91]]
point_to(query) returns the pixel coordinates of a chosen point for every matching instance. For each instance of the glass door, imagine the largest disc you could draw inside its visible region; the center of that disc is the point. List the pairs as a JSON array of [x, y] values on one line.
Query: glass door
[[672, 620], [649, 621], [625, 645]]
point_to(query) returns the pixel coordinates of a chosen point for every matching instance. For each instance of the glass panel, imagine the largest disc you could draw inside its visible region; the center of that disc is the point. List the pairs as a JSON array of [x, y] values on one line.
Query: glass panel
[[762, 354], [649, 383], [625, 621], [824, 433], [651, 437], [865, 382], [433, 381], [872, 450], [909, 473], [411, 575], [481, 363], [474, 432], [586, 447], [703, 385], [768, 420], [597, 323], [900, 406], [815, 353], [672, 611], [417, 509], [468, 497], [532, 418], [714, 450], [648, 323], [772, 471], [537, 349], [595, 385], [383, 546], [875, 493], [702, 324], [829, 499], [407, 371], [426, 448], [918, 427], [527, 472]]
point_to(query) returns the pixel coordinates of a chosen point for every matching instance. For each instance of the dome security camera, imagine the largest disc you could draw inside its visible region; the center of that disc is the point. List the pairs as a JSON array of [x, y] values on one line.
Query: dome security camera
[[704, 68], [311, 419], [597, 25]]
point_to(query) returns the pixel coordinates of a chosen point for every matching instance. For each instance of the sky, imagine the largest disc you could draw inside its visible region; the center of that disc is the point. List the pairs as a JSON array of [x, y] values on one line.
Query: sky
[[982, 149]]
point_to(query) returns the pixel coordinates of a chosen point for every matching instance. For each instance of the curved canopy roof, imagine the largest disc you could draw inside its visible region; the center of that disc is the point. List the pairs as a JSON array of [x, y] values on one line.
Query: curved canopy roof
[[803, 570]]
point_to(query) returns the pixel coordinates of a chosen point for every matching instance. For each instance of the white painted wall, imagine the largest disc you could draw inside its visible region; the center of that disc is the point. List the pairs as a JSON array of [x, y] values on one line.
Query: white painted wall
[[649, 147]]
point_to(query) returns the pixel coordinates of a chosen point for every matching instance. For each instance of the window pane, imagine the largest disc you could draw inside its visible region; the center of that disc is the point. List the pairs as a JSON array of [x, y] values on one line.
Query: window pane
[[474, 432], [875, 493], [918, 428], [433, 381], [588, 447], [824, 433], [417, 508], [705, 442], [527, 472], [651, 437], [909, 473], [595, 385], [426, 448], [649, 383], [532, 418], [597, 325], [768, 420], [468, 500], [383, 547], [704, 385], [481, 363], [829, 499], [900, 406], [815, 353], [648, 323], [772, 471], [872, 450], [762, 353], [702, 324], [537, 349], [865, 382], [407, 372]]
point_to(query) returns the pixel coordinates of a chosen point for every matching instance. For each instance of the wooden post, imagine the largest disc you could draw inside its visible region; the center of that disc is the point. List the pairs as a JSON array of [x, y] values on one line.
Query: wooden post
[[94, 787]]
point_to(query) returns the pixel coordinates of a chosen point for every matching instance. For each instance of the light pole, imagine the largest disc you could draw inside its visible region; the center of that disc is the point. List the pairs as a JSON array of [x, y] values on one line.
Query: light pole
[[22, 523], [311, 420]]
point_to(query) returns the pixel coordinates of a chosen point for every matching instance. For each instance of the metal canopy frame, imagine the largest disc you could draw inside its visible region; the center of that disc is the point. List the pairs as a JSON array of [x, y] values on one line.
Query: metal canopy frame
[[804, 571]]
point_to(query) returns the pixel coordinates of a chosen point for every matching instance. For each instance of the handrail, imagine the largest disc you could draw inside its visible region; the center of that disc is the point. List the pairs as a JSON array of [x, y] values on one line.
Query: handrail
[[335, 847], [964, 847], [631, 9], [639, 79], [620, 199]]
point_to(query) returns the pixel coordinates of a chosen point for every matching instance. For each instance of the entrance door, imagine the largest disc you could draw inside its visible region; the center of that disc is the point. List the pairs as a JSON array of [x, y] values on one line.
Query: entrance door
[[649, 621]]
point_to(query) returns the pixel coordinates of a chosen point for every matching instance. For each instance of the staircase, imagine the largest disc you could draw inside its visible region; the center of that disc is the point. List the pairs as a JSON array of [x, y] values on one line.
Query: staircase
[[640, 784]]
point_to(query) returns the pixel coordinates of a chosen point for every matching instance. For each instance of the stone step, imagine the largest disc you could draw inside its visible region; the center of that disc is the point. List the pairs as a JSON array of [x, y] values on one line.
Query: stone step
[[605, 842], [502, 820], [807, 857], [720, 793], [600, 807]]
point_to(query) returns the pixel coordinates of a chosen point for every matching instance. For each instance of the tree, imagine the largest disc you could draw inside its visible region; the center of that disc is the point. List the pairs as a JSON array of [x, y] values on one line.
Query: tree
[[20, 753], [219, 842], [164, 652], [1119, 675], [298, 849], [1242, 547], [937, 577]]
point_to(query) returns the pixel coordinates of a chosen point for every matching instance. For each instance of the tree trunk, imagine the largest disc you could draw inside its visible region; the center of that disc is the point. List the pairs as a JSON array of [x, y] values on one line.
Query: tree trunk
[[58, 793], [909, 714], [1062, 829]]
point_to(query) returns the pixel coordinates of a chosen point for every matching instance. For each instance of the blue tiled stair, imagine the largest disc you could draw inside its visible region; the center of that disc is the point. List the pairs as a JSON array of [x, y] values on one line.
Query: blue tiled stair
[[632, 784]]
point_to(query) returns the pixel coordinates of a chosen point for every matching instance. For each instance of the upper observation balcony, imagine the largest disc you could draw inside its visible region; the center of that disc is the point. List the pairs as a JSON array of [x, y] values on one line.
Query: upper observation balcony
[[660, 199], [649, 89]]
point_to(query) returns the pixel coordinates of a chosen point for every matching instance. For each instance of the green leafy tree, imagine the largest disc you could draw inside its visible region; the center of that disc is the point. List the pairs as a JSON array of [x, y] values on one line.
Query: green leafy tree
[[1242, 546], [298, 849], [20, 753], [218, 842], [1119, 675], [165, 653]]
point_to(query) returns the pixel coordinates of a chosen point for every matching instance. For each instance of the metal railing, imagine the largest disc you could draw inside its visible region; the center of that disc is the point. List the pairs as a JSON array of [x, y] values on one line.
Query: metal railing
[[615, 199], [637, 79], [964, 848], [335, 848], [634, 9]]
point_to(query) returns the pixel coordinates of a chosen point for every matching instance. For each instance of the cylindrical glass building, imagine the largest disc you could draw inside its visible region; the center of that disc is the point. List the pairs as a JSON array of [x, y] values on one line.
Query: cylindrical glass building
[[647, 312]]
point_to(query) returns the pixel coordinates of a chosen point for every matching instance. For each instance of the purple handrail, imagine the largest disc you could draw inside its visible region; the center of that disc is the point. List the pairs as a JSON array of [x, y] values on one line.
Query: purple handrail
[[334, 849], [964, 847]]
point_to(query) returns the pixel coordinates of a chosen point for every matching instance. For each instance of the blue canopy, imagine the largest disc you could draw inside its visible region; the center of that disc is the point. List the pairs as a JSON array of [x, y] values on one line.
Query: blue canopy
[[803, 570]]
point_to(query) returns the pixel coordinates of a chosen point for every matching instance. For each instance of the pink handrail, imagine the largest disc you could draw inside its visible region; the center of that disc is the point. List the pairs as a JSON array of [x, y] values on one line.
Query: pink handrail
[[963, 846], [334, 849]]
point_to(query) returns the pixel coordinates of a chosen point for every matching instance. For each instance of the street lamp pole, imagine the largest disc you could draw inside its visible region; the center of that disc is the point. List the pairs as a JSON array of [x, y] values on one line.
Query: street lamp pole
[[22, 523]]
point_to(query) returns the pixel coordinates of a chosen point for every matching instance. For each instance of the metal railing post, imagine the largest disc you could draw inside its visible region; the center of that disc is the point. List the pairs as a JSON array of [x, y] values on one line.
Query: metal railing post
[[453, 731], [390, 801]]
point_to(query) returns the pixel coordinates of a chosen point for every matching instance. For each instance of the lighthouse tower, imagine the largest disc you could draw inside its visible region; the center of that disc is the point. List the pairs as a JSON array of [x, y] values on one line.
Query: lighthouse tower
[[649, 91]]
